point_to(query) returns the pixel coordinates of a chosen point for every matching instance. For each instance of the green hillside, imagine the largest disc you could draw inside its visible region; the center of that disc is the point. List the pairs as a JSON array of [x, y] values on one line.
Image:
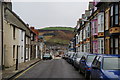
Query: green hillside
[[58, 28], [57, 35]]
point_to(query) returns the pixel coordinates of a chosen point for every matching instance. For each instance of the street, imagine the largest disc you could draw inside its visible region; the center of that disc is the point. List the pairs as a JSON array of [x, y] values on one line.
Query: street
[[56, 68]]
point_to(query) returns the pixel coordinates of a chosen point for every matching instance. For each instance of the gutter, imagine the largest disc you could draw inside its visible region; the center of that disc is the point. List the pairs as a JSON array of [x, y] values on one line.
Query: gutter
[[13, 76]]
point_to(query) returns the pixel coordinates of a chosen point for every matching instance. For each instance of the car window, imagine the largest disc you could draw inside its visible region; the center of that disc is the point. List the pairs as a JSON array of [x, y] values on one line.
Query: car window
[[99, 62], [95, 60], [111, 63], [83, 58], [79, 55], [90, 58]]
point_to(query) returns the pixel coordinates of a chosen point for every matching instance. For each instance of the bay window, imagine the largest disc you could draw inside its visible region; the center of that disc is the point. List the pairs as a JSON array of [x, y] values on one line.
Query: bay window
[[107, 20], [88, 47], [101, 46], [114, 47], [114, 13], [88, 31], [101, 22]]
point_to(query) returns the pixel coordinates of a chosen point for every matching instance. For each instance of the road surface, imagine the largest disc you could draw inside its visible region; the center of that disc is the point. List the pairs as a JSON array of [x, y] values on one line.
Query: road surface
[[56, 68]]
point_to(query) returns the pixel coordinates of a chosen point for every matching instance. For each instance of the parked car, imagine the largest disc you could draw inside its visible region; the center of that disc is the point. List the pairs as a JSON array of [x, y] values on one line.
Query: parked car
[[70, 57], [73, 58], [85, 64], [106, 67], [77, 59], [47, 56], [65, 56]]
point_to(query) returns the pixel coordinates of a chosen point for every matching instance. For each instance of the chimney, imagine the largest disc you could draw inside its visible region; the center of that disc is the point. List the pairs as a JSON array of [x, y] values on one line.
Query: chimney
[[32, 28]]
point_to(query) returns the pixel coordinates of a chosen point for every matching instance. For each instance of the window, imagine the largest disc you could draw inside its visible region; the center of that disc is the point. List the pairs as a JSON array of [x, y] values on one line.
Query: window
[[111, 63], [95, 47], [88, 47], [14, 32], [80, 48], [114, 14], [101, 22], [111, 16], [84, 48], [32, 37], [107, 20], [22, 36], [13, 51], [101, 46], [114, 45], [84, 35], [90, 58], [94, 24], [111, 46], [96, 60], [88, 31]]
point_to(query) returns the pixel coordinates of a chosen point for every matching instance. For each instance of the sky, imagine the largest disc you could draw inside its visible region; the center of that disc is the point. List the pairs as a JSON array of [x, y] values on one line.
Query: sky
[[44, 14]]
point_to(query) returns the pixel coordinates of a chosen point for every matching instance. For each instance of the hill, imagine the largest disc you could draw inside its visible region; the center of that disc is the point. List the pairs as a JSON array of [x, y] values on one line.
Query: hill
[[57, 35], [58, 28]]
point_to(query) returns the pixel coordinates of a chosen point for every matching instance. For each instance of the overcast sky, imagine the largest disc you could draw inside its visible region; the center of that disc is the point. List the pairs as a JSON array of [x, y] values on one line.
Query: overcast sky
[[44, 14]]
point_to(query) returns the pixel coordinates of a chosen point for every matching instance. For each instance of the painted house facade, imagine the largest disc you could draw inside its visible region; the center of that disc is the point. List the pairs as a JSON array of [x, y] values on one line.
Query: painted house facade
[[99, 32], [112, 26], [14, 38], [35, 47], [19, 43]]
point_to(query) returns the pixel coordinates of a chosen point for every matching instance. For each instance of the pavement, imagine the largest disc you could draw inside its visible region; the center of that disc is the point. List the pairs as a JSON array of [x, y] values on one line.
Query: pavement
[[55, 69], [9, 72]]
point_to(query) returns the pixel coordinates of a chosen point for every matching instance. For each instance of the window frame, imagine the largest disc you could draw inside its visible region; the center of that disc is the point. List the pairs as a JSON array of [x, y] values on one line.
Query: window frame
[[14, 32], [113, 45], [112, 17]]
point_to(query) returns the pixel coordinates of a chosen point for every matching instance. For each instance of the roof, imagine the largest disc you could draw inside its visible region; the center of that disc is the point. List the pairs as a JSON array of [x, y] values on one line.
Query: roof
[[14, 19]]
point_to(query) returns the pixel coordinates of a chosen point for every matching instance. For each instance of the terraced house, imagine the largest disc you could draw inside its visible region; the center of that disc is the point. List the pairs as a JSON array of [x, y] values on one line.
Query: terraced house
[[98, 31], [18, 40]]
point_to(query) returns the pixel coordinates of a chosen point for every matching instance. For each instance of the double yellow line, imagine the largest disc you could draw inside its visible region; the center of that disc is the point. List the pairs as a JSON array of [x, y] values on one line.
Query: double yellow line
[[24, 71]]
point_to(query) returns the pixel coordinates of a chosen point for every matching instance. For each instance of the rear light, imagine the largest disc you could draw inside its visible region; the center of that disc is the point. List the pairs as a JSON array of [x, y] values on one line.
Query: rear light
[[88, 68]]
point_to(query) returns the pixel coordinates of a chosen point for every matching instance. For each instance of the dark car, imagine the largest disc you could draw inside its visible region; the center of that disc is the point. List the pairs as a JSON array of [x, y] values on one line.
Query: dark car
[[77, 59], [65, 56], [85, 64], [70, 56], [106, 67], [73, 58], [47, 57]]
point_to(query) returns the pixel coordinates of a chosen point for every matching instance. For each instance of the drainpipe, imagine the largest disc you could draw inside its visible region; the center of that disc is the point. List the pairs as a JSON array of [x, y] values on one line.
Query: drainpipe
[[17, 58], [2, 33]]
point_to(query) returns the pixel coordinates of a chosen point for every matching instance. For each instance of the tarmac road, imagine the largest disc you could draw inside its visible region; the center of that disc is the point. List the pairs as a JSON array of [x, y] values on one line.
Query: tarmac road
[[56, 68]]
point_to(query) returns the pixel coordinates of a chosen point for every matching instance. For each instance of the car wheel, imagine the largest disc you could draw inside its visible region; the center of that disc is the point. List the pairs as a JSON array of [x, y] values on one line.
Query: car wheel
[[90, 77], [86, 75], [79, 70]]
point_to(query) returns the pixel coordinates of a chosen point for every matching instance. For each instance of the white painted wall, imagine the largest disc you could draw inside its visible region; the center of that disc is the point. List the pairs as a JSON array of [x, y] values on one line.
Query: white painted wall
[[36, 51], [22, 45], [7, 44], [27, 48]]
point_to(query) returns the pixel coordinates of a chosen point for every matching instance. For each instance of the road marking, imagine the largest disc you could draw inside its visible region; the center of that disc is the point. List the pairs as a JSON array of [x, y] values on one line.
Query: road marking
[[24, 71]]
